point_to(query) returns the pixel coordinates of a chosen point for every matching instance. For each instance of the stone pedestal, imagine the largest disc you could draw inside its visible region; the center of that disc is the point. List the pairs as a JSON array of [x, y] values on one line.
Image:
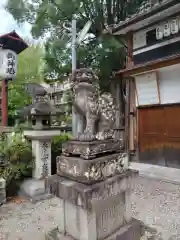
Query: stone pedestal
[[41, 146], [94, 185], [2, 191], [97, 211], [42, 152]]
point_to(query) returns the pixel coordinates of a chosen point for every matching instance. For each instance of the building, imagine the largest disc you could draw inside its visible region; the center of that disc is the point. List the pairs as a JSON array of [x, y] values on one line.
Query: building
[[153, 76], [60, 95]]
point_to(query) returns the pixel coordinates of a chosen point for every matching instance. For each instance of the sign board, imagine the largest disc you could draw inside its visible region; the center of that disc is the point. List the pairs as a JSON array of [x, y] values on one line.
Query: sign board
[[83, 32], [139, 39], [147, 89], [8, 64], [168, 28]]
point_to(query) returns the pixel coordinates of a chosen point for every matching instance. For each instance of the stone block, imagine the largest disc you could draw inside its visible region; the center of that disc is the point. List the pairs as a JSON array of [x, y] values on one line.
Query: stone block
[[89, 150], [94, 212], [86, 195], [91, 171], [131, 231], [34, 190]]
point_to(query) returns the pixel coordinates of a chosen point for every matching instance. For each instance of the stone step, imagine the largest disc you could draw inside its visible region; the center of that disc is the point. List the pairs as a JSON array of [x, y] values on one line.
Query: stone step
[[54, 234], [131, 231], [34, 191]]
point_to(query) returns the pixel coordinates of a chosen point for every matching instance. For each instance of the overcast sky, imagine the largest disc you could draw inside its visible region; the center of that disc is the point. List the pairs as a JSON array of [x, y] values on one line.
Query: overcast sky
[[8, 24]]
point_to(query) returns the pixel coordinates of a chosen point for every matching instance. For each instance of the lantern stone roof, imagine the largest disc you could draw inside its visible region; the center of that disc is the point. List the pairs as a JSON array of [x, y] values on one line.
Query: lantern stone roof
[[149, 13], [40, 108], [35, 89], [13, 42]]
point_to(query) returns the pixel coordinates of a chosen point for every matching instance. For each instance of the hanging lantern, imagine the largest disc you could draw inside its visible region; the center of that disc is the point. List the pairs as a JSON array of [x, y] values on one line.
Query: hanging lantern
[[8, 64]]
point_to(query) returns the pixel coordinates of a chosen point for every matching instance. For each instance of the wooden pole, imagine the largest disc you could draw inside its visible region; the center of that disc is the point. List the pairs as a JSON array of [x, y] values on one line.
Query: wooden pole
[[127, 118], [117, 93], [129, 90]]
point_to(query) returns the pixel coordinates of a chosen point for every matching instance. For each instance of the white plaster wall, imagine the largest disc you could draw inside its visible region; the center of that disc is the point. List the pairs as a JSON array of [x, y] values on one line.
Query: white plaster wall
[[147, 88], [169, 84]]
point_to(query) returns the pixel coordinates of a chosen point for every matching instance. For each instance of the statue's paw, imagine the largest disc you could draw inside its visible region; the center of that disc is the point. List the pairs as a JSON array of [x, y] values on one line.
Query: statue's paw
[[104, 135], [87, 137], [78, 136]]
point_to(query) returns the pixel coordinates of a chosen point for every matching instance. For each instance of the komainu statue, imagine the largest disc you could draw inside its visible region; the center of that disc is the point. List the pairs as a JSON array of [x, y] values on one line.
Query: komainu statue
[[97, 110]]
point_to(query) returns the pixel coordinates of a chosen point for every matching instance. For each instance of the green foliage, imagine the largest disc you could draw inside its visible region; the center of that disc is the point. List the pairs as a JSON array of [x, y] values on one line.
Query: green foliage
[[105, 54], [29, 71], [18, 153], [57, 142], [30, 65]]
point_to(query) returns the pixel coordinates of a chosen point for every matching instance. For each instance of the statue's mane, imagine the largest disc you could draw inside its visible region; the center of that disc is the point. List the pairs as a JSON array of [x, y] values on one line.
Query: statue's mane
[[84, 76]]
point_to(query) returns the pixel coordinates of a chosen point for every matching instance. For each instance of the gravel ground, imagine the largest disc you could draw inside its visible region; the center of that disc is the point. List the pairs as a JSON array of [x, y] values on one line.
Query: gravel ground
[[27, 221], [155, 203]]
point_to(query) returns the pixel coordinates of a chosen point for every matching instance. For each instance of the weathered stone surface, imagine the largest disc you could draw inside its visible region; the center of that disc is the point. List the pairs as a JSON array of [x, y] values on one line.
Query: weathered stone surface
[[89, 150], [97, 110], [86, 196], [131, 231], [93, 211], [2, 191], [34, 190], [110, 215], [92, 171]]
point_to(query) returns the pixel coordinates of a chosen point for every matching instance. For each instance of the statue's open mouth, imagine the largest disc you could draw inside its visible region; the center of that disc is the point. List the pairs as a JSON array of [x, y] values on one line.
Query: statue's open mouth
[[85, 79]]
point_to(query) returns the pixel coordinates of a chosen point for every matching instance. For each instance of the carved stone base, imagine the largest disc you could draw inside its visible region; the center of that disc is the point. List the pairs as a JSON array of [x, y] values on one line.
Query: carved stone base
[[94, 212], [131, 231], [34, 190], [92, 171], [89, 150]]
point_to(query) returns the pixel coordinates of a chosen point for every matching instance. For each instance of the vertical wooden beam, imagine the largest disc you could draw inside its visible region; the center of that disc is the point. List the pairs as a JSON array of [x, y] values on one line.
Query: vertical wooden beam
[[130, 97], [130, 61], [116, 91], [127, 118], [132, 115]]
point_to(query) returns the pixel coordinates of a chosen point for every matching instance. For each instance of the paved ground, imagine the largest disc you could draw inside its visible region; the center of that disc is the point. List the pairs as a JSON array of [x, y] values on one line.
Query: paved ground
[[28, 221], [157, 204], [157, 172], [154, 202]]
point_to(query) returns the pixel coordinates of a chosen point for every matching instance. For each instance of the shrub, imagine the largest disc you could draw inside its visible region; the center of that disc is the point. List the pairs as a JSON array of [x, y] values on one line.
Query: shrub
[[58, 140], [18, 154], [56, 149]]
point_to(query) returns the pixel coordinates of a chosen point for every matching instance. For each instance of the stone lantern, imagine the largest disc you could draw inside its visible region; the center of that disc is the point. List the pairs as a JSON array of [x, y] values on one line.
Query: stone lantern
[[40, 120], [41, 133]]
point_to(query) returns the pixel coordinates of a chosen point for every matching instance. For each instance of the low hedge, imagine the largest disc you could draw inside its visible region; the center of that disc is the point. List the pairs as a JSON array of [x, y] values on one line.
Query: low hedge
[[20, 160]]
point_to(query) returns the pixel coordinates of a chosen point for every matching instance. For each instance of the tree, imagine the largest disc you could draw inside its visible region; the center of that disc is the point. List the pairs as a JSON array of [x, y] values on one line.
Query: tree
[[30, 70], [106, 54]]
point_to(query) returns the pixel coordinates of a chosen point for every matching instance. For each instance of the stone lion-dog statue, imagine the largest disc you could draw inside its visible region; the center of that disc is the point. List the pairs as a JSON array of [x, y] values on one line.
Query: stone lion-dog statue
[[97, 110]]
